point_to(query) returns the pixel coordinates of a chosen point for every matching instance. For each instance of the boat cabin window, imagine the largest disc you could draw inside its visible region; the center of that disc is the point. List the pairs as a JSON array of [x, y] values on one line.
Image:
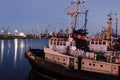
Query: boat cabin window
[[90, 64], [92, 42], [101, 65], [54, 43], [63, 59], [70, 43], [104, 43], [64, 43], [60, 42], [100, 42], [96, 42], [57, 43]]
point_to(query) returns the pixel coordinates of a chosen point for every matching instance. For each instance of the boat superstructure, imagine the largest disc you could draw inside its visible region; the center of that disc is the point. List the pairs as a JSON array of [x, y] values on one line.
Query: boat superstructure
[[70, 55], [105, 41], [67, 50]]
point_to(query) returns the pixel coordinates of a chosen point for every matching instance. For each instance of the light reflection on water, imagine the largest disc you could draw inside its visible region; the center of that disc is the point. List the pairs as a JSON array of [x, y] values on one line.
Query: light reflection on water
[[2, 50], [13, 64], [8, 51], [22, 45], [16, 47]]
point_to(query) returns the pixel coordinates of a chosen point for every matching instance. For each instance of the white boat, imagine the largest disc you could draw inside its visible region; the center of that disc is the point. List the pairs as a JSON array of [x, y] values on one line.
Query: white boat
[[73, 57]]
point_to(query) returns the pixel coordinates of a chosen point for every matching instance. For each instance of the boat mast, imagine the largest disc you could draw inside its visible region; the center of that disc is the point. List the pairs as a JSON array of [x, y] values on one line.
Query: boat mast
[[116, 27], [109, 30], [86, 12], [74, 11]]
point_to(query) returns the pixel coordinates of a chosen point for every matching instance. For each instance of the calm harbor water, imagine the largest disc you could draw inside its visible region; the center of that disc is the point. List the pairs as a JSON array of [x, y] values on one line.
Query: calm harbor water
[[13, 64]]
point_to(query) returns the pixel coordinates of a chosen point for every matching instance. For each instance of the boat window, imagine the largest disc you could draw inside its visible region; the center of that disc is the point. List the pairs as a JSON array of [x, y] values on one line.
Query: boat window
[[58, 58], [96, 42], [60, 42], [54, 43], [57, 43], [64, 43], [101, 65], [93, 64], [99, 42], [70, 43], [82, 62], [63, 59], [92, 42], [90, 64], [53, 58], [104, 43]]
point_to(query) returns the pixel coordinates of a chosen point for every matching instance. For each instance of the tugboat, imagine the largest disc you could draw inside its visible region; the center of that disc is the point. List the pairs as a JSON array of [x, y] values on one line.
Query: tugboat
[[69, 57]]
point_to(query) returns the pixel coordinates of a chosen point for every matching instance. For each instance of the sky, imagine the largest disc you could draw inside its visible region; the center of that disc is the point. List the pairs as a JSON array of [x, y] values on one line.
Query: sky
[[30, 15]]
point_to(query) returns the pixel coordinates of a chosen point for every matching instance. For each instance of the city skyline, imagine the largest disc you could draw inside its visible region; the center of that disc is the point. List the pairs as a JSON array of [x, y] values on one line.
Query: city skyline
[[28, 15]]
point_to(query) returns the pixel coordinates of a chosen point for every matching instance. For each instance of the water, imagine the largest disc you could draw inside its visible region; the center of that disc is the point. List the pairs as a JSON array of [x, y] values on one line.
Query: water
[[13, 64]]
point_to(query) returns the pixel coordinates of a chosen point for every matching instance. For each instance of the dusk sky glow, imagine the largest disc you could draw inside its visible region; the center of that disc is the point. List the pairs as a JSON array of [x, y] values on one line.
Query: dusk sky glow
[[27, 15]]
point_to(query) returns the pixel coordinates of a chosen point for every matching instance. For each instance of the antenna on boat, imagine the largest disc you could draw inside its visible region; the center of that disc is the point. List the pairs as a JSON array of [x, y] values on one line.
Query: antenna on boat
[[116, 27], [74, 11], [86, 13]]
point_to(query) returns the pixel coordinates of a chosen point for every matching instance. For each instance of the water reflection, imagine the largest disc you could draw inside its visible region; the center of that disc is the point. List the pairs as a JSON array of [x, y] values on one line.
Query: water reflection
[[2, 51], [13, 64], [35, 75], [9, 44], [22, 45], [16, 47], [8, 51]]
